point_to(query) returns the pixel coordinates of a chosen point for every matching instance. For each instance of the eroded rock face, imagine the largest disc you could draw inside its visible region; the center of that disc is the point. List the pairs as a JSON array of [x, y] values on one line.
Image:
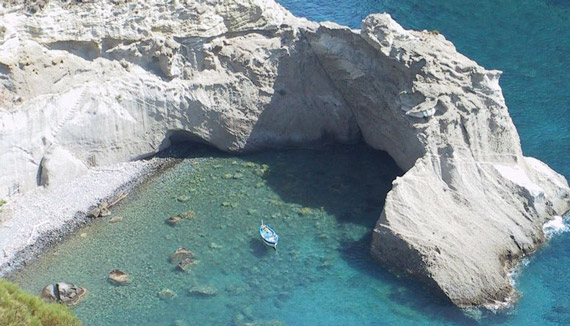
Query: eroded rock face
[[238, 75], [95, 83], [472, 204]]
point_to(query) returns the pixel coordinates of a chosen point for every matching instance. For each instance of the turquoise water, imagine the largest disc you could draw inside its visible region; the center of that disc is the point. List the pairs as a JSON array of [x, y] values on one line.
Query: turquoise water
[[322, 273], [529, 40]]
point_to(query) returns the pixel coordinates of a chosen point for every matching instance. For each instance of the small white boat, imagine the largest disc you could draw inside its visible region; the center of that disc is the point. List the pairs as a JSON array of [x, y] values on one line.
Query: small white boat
[[268, 235]]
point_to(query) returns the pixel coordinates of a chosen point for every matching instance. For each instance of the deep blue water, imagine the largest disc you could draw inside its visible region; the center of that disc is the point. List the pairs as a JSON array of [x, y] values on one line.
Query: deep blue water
[[529, 40]]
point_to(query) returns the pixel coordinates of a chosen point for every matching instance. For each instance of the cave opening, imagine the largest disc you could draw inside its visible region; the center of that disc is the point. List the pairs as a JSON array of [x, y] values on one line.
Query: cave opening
[[323, 200], [348, 182], [339, 169]]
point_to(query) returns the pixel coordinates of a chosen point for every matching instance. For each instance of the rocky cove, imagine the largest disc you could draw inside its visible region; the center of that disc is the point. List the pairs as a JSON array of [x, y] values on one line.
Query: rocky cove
[[102, 83]]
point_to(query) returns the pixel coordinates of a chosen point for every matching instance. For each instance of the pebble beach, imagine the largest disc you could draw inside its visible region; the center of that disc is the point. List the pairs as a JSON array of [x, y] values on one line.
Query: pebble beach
[[34, 220]]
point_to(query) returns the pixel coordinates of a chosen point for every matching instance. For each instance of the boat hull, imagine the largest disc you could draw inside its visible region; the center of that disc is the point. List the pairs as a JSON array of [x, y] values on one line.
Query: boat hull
[[271, 244], [268, 235]]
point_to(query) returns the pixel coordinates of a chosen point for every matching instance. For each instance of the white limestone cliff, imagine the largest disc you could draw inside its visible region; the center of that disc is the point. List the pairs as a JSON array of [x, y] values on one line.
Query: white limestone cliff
[[89, 84]]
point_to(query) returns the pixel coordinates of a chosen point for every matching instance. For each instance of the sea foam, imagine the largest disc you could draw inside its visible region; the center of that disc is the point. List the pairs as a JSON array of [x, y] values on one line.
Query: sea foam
[[556, 226]]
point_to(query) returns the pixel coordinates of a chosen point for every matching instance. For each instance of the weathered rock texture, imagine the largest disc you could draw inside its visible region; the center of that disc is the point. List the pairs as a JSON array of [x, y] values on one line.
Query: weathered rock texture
[[87, 84]]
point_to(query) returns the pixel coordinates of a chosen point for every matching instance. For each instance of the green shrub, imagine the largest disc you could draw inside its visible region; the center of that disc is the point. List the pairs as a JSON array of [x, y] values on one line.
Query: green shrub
[[18, 308]]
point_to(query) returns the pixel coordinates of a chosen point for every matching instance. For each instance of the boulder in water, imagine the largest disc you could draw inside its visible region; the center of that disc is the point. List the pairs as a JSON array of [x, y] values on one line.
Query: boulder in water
[[49, 294], [64, 293], [184, 257], [117, 276], [101, 210], [94, 212], [173, 220], [180, 254], [115, 219], [105, 212], [186, 263]]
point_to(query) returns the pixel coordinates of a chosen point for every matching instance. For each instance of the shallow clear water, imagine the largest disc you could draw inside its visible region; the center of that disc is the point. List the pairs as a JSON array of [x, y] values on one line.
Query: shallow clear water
[[322, 273]]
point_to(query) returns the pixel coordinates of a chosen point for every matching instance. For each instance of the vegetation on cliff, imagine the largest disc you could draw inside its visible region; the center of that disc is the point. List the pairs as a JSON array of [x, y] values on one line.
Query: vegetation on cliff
[[18, 308]]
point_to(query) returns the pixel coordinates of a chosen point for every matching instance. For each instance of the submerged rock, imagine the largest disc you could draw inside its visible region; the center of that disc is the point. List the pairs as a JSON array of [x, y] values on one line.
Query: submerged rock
[[272, 322], [173, 220], [183, 198], [186, 263], [166, 295], [243, 320], [203, 291], [184, 259], [115, 219], [64, 293], [117, 276], [181, 253], [189, 214], [214, 245]]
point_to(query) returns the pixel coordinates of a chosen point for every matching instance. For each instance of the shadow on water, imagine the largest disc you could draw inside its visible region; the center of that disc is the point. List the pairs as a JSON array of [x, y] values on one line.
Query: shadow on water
[[405, 297], [349, 182], [258, 249], [189, 150]]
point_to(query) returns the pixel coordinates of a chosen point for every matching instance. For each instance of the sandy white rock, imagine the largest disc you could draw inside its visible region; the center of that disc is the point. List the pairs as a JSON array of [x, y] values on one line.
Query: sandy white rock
[[99, 83]]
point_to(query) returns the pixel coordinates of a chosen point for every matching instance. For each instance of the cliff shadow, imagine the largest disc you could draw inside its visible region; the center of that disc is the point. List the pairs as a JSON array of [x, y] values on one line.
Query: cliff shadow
[[181, 144], [404, 296], [307, 110], [349, 182], [312, 172]]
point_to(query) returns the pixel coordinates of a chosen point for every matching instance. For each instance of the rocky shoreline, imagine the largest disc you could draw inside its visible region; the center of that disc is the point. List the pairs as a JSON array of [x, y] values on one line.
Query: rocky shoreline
[[37, 220]]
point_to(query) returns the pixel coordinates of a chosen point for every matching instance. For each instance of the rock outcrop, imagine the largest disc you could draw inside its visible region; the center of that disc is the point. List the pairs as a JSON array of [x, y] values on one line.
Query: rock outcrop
[[63, 293], [88, 84], [119, 277]]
